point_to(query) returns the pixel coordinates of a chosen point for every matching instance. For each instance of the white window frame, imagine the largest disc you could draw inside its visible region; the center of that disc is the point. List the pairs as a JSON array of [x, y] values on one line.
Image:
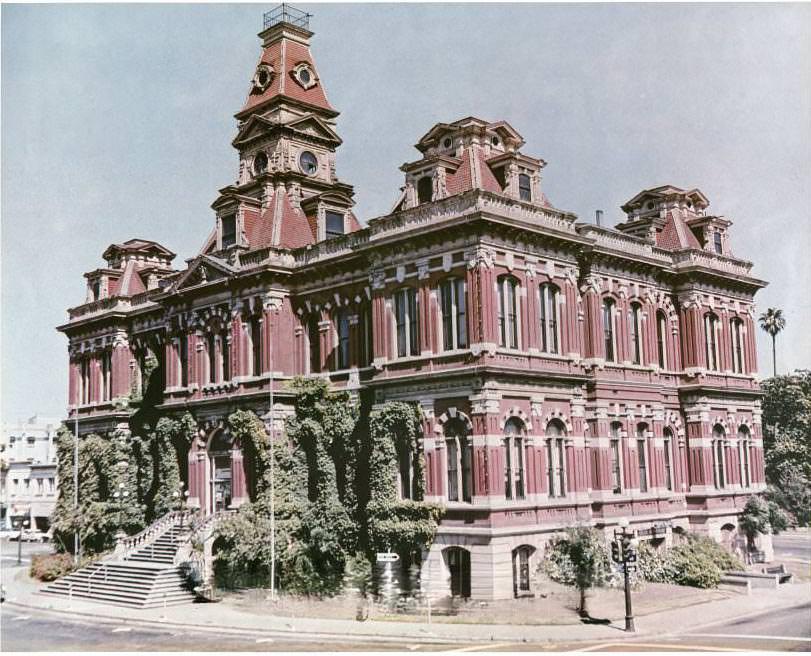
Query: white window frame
[[412, 341], [504, 337], [549, 317], [515, 461], [453, 285]]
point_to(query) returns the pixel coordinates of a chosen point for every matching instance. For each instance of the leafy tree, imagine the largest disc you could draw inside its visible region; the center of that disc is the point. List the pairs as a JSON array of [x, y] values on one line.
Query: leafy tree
[[579, 558], [787, 442], [773, 322]]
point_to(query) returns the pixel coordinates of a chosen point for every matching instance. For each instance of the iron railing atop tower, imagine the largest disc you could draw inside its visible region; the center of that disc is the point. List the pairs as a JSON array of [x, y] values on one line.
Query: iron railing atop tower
[[286, 13]]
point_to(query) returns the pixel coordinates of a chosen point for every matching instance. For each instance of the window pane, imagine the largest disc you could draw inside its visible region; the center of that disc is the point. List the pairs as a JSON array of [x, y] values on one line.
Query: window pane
[[425, 189], [229, 230], [643, 470], [413, 315], [400, 315], [334, 223], [453, 477], [608, 330], [524, 187], [461, 314], [467, 470], [446, 300], [508, 488]]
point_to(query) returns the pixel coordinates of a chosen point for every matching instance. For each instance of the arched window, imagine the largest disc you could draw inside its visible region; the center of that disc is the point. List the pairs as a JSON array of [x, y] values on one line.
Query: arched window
[[608, 330], [711, 330], [548, 310], [668, 448], [514, 459], [524, 187], [661, 338], [508, 312], [616, 460], [212, 357], [744, 447], [458, 563], [256, 345], [522, 573], [718, 437], [454, 314], [425, 189], [459, 452], [405, 470], [556, 458], [314, 337], [642, 456], [406, 312], [736, 328], [635, 325]]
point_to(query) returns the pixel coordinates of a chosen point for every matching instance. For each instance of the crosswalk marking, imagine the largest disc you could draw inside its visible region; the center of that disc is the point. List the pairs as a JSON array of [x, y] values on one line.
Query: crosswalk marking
[[20, 617], [122, 629], [752, 637], [482, 647]]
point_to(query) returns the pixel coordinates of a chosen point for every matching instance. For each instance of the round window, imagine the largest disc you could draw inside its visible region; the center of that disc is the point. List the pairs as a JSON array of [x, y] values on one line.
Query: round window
[[304, 75], [447, 143], [263, 78], [308, 163], [494, 141], [260, 163]]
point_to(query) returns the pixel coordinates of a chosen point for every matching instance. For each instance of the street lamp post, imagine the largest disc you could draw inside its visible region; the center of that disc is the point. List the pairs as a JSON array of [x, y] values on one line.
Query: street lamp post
[[24, 523], [623, 551], [77, 545]]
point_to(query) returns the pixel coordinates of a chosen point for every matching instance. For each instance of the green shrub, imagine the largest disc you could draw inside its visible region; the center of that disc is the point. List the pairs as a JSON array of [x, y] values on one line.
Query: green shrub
[[655, 566], [699, 562], [49, 567]]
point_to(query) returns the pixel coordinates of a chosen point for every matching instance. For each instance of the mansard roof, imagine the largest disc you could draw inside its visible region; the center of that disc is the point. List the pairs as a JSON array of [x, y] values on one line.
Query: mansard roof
[[664, 193], [145, 246], [286, 47], [675, 235], [470, 124]]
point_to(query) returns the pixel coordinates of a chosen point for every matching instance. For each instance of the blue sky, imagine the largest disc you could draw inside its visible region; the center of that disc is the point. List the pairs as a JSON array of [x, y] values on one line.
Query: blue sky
[[117, 123]]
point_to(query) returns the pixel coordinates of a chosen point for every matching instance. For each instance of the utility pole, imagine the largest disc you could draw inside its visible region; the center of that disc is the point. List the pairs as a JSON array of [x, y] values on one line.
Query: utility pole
[[77, 545]]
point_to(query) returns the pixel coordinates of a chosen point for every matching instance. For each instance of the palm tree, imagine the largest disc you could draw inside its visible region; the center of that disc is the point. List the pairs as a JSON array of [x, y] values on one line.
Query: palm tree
[[772, 321]]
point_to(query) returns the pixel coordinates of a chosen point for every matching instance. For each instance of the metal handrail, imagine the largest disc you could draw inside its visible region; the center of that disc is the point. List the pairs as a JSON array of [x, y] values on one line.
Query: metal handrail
[[102, 567]]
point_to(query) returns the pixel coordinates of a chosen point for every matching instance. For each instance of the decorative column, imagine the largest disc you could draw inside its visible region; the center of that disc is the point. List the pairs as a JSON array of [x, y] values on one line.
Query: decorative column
[[531, 326], [198, 480], [74, 384], [239, 490], [237, 359], [699, 449], [482, 307], [488, 460], [426, 326], [381, 325], [577, 451], [593, 346], [120, 366], [600, 446], [568, 317], [692, 331], [750, 345]]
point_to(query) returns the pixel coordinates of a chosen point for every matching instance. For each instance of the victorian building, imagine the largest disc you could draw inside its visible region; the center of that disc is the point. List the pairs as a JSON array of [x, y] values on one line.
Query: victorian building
[[567, 372]]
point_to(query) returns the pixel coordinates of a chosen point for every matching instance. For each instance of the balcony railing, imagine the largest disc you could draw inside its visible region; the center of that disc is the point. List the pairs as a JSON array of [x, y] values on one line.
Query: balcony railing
[[286, 13]]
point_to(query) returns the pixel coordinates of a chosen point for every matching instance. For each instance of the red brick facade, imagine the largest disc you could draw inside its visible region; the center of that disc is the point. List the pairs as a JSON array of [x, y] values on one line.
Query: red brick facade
[[578, 353]]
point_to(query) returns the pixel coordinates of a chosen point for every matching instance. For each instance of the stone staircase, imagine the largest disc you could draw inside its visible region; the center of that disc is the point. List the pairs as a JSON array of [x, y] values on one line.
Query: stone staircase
[[142, 573]]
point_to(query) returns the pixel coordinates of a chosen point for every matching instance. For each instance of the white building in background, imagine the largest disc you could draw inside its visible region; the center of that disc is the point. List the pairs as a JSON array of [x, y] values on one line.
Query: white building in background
[[29, 485]]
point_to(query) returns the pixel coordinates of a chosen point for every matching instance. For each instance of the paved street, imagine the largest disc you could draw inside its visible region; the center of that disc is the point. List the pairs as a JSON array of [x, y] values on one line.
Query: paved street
[[793, 545]]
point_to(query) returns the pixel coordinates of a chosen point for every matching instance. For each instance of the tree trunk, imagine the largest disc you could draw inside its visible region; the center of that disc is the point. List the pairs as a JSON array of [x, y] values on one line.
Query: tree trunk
[[774, 354], [583, 610]]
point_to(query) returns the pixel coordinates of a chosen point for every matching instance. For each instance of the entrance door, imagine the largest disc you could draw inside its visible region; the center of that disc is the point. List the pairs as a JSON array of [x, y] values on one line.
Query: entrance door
[[221, 483], [522, 585], [458, 560]]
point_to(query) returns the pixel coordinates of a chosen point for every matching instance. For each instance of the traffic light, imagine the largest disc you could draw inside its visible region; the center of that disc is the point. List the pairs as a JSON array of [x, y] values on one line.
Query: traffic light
[[616, 553], [630, 555]]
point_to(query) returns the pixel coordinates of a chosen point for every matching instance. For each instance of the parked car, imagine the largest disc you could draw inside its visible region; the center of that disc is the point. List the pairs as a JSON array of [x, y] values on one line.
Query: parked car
[[30, 535]]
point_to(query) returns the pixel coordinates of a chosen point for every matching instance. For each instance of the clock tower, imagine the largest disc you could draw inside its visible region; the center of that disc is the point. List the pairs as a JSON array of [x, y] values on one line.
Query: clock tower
[[287, 194]]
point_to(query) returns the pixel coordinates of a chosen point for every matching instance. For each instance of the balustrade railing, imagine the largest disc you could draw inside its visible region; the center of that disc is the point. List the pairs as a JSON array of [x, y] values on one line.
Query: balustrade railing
[[128, 545]]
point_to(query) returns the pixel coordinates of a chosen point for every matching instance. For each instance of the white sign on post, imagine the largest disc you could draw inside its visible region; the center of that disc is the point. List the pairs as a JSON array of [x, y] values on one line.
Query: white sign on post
[[387, 557]]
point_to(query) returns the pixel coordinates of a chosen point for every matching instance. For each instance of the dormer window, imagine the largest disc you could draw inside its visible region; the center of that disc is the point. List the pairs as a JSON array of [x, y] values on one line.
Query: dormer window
[[425, 189], [717, 242], [524, 187], [229, 230], [334, 224], [304, 75], [97, 290]]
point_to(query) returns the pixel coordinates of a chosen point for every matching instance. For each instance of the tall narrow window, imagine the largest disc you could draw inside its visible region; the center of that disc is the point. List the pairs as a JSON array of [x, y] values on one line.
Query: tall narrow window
[[425, 189], [225, 355], [636, 333], [343, 340], [744, 446], [407, 316], [711, 330], [661, 336], [106, 376], [608, 330], [508, 312], [366, 355], [717, 242], [85, 381], [459, 451], [229, 230], [524, 187], [212, 357], [314, 337], [616, 467], [183, 354], [736, 328], [454, 314], [514, 459], [548, 310], [641, 442], [405, 471], [668, 446], [256, 346], [334, 224], [556, 458], [718, 436]]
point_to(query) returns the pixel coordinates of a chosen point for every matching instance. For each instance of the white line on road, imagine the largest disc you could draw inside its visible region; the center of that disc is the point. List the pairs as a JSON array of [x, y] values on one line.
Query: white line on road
[[655, 646], [20, 617], [122, 629], [482, 647], [744, 636]]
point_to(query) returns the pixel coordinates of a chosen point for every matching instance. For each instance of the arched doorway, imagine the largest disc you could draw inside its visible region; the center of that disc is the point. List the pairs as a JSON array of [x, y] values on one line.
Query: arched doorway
[[458, 563], [522, 577], [219, 463]]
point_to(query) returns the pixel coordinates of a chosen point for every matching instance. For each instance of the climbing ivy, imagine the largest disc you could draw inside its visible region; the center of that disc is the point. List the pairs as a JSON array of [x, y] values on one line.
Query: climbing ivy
[[335, 494]]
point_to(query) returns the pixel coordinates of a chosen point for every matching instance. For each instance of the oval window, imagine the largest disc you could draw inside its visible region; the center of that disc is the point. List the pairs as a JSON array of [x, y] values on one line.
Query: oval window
[[304, 75], [308, 163], [447, 143]]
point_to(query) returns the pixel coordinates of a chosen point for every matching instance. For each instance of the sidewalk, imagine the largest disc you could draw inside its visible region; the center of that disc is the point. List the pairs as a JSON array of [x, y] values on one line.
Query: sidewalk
[[22, 595]]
